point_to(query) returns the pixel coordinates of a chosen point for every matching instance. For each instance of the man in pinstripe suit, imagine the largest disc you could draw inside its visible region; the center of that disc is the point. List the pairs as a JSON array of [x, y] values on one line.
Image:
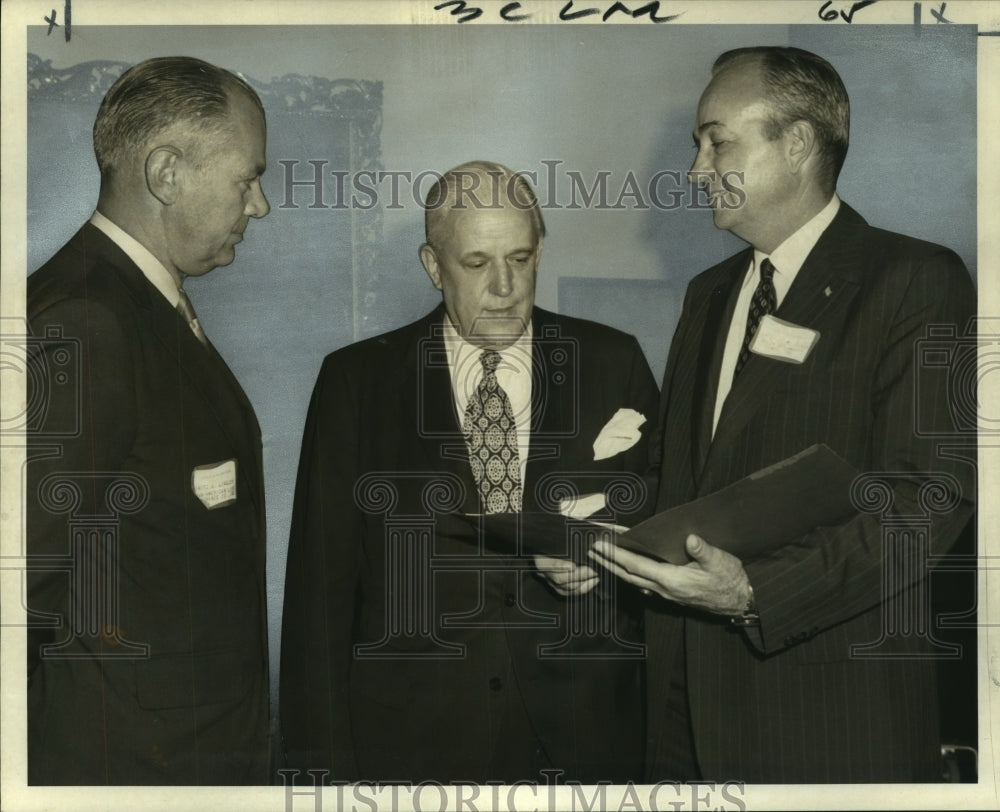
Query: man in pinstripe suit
[[763, 672]]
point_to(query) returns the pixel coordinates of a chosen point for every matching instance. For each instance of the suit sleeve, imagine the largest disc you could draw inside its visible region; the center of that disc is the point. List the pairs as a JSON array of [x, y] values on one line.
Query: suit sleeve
[[80, 387], [643, 396], [835, 573], [321, 583]]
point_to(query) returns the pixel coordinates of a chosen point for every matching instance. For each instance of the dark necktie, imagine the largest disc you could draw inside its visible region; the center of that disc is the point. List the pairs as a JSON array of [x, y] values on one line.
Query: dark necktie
[[491, 437], [764, 301], [186, 309]]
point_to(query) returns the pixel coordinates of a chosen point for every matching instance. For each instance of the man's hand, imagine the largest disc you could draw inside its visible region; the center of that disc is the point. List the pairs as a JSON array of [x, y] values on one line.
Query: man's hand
[[714, 580], [565, 576]]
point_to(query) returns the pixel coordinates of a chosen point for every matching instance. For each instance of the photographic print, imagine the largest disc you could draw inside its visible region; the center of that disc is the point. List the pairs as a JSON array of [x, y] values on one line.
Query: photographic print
[[344, 342]]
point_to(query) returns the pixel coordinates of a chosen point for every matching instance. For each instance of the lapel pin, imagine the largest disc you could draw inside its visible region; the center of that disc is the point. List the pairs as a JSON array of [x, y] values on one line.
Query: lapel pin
[[827, 292]]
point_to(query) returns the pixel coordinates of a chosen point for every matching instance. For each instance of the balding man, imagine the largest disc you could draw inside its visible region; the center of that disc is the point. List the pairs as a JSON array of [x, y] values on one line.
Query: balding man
[[148, 644], [411, 648], [803, 665]]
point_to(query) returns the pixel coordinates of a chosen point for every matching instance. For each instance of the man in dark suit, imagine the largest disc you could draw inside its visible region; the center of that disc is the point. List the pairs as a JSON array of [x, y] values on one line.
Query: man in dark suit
[[147, 646], [796, 667], [413, 646]]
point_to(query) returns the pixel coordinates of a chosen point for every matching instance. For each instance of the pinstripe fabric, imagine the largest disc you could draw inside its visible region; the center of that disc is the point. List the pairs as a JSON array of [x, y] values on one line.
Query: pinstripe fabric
[[787, 702], [190, 581]]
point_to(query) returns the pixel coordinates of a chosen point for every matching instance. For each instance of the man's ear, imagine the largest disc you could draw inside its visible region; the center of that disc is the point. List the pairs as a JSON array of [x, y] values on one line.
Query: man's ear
[[800, 140], [538, 252], [162, 174], [429, 260]]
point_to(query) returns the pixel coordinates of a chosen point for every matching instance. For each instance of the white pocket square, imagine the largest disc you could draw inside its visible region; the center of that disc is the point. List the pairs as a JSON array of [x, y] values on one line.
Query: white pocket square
[[580, 507], [619, 434]]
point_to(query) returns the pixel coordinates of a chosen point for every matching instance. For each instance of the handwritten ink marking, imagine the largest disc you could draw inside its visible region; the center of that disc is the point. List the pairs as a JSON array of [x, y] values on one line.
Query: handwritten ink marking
[[507, 13], [940, 18], [614, 9], [67, 16], [466, 12], [470, 12], [939, 15], [826, 14], [649, 9], [568, 14]]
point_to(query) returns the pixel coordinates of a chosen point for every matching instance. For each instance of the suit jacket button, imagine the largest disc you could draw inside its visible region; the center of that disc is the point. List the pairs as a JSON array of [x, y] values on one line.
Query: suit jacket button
[[496, 684], [509, 599]]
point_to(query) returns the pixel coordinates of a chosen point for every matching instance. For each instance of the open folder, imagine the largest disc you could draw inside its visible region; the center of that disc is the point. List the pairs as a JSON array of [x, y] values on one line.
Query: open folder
[[760, 512], [768, 509]]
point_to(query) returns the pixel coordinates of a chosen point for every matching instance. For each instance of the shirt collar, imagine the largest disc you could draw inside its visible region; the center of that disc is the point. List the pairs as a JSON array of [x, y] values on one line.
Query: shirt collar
[[459, 349], [789, 257], [154, 271]]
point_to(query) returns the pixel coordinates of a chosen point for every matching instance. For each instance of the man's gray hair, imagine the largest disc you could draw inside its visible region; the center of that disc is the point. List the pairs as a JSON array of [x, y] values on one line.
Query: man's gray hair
[[478, 184], [801, 86], [157, 94]]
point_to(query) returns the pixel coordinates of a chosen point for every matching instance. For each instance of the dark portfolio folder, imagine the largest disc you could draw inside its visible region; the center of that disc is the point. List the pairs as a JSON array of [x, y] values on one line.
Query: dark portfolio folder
[[767, 509]]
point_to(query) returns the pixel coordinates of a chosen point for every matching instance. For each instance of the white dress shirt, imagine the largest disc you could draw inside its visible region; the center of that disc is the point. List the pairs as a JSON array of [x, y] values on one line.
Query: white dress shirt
[[787, 259], [513, 374], [158, 276]]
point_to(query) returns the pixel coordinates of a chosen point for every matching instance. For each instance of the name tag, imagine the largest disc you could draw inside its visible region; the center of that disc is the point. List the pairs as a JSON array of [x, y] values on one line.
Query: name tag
[[215, 485], [783, 340]]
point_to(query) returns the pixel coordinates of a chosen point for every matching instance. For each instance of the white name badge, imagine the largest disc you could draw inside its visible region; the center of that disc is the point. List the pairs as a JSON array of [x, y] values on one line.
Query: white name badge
[[783, 340], [215, 485]]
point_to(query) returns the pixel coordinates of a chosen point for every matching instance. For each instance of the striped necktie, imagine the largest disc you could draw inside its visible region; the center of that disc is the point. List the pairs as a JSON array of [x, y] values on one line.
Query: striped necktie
[[186, 310], [764, 301]]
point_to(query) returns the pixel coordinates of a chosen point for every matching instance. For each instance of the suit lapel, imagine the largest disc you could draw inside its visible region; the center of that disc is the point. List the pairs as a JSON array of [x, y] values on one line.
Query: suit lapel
[[425, 381], [209, 374], [204, 369], [829, 276], [718, 314], [550, 404]]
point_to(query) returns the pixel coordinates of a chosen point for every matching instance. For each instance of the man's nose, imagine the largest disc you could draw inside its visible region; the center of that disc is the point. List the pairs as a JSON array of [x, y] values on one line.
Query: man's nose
[[502, 281], [257, 205], [700, 170]]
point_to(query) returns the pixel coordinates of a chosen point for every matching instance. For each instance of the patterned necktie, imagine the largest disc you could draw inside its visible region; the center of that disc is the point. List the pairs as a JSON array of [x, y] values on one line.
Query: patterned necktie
[[491, 436], [185, 308], [764, 301]]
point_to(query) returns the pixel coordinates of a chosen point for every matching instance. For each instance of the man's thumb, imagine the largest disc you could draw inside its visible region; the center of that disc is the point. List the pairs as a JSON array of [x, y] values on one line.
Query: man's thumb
[[696, 547]]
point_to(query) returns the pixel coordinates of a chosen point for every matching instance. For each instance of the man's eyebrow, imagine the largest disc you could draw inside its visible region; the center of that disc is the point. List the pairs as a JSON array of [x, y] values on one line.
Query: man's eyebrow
[[707, 125]]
